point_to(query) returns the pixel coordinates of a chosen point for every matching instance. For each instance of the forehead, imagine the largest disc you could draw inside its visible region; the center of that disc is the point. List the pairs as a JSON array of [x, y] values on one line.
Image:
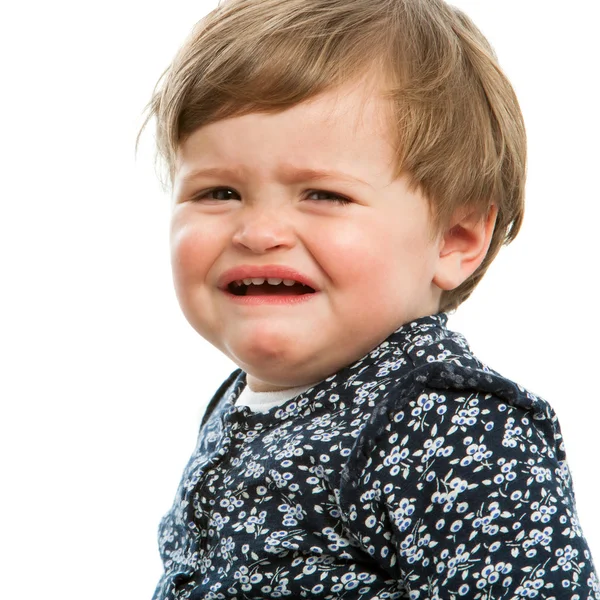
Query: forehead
[[357, 107], [342, 128]]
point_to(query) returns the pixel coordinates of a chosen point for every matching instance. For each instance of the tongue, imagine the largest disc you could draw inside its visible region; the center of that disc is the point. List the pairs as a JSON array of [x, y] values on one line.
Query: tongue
[[266, 289]]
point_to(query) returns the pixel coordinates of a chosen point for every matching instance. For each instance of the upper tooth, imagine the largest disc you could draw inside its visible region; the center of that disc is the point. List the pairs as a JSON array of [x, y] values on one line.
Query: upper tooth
[[261, 280]]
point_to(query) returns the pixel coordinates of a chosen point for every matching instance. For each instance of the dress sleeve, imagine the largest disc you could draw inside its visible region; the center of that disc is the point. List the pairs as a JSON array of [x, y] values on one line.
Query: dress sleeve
[[463, 495]]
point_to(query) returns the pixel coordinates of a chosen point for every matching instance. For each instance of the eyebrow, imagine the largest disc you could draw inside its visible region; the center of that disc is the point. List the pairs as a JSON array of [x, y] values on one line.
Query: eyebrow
[[289, 174]]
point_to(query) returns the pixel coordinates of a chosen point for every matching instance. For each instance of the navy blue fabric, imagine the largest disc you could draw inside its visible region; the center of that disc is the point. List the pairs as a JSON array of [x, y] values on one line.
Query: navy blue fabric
[[416, 472]]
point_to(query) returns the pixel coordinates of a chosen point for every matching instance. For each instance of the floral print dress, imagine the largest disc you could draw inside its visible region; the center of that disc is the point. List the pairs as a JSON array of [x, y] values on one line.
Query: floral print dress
[[416, 472]]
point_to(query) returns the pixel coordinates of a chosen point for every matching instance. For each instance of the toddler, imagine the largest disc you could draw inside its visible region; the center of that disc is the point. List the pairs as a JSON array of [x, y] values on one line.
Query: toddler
[[343, 173]]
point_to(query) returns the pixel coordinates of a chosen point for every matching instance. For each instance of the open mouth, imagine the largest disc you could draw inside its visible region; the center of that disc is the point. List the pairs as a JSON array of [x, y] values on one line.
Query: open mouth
[[260, 286]]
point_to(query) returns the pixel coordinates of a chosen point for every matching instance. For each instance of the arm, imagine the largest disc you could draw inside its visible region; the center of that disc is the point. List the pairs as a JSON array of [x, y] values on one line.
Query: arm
[[466, 496]]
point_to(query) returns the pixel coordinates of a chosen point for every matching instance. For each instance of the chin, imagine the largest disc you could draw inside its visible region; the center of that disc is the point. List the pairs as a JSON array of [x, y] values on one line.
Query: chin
[[265, 353]]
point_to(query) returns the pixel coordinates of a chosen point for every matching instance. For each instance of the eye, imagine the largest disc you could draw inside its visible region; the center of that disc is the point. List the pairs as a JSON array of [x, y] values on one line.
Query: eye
[[330, 196], [219, 194]]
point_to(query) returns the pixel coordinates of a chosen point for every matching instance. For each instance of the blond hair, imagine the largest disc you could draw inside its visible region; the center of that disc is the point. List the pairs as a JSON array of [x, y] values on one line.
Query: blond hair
[[459, 130]]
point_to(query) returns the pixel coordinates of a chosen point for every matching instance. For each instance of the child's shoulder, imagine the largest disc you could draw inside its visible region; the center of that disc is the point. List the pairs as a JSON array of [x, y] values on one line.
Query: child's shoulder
[[430, 386], [444, 398], [426, 357]]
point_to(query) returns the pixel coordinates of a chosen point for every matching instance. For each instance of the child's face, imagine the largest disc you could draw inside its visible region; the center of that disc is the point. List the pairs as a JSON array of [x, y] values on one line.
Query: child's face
[[371, 262]]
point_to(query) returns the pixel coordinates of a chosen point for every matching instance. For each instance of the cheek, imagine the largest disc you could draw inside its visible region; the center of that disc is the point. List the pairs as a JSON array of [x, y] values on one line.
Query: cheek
[[193, 253], [375, 251], [193, 246]]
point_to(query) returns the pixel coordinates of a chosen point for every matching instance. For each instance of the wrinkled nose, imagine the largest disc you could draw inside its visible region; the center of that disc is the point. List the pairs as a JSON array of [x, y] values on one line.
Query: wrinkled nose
[[261, 231]]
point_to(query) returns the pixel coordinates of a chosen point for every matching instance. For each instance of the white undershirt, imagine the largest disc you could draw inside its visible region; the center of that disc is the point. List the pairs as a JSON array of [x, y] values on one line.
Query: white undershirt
[[261, 402]]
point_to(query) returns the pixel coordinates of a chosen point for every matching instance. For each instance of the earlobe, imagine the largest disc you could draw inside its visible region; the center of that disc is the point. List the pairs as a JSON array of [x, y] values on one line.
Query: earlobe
[[463, 247]]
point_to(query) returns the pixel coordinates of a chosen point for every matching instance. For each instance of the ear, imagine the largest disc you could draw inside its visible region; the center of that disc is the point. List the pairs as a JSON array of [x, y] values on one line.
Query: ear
[[463, 247]]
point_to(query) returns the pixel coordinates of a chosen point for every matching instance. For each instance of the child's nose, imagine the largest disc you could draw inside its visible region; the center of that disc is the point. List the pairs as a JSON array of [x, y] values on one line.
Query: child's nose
[[262, 230]]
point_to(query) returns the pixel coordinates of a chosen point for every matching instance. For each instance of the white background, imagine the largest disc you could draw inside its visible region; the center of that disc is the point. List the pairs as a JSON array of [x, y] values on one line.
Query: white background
[[103, 382]]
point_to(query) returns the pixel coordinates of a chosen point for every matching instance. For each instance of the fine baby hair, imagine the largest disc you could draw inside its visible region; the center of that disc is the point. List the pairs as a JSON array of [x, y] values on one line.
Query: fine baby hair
[[458, 130]]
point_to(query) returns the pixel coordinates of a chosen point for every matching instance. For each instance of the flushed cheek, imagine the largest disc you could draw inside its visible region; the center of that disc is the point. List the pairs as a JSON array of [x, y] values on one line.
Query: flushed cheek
[[355, 253], [390, 274], [186, 248], [193, 254], [193, 251]]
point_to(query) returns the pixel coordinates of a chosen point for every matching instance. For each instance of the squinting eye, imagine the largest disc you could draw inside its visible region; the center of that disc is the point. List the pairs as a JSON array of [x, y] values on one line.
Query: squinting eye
[[335, 198], [210, 194]]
